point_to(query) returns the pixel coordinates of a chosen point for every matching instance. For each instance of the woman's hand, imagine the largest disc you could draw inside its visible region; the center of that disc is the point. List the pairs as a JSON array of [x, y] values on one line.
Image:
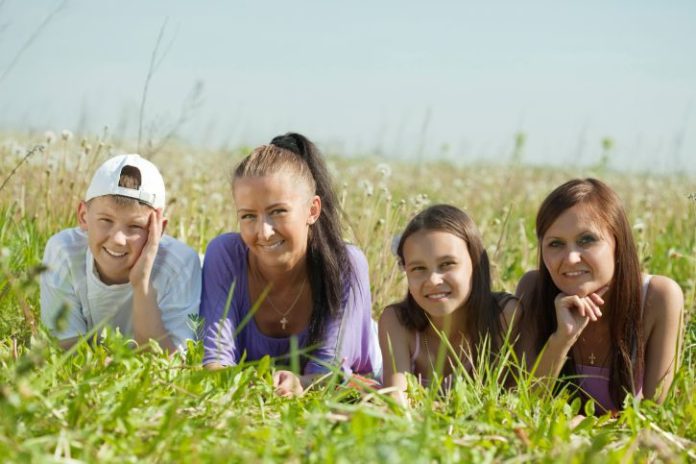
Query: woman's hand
[[287, 384], [573, 313]]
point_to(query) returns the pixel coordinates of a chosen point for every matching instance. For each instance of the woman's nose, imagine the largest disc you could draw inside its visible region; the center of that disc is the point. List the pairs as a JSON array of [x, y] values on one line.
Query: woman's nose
[[265, 230], [574, 256]]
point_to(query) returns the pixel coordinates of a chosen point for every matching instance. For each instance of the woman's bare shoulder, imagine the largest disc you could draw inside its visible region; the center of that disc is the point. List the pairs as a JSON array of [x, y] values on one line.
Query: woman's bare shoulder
[[526, 284], [664, 301]]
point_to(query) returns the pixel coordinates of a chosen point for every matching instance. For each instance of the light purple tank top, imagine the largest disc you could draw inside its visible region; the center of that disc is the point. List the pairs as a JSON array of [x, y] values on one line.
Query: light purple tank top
[[594, 381], [501, 297], [446, 383]]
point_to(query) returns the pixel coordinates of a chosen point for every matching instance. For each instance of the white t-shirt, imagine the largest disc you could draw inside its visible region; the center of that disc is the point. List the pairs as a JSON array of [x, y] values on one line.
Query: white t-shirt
[[71, 281]]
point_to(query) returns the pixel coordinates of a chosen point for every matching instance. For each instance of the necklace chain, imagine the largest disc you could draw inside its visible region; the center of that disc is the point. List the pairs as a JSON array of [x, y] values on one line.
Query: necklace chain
[[592, 358], [283, 314], [427, 351]]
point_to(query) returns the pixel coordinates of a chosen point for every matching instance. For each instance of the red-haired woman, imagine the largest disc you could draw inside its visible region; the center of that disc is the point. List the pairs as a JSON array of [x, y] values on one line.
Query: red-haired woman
[[589, 312]]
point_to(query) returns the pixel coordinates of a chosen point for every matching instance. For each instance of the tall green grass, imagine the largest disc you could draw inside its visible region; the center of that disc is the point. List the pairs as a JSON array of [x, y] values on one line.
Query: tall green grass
[[112, 404]]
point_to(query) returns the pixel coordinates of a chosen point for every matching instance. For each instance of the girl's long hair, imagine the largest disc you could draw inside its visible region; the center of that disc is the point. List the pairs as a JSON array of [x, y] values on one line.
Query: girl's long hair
[[624, 302], [328, 266], [482, 308]]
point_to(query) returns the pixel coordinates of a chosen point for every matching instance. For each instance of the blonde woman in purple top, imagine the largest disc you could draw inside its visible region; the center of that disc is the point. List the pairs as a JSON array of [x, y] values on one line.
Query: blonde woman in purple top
[[589, 313], [288, 256]]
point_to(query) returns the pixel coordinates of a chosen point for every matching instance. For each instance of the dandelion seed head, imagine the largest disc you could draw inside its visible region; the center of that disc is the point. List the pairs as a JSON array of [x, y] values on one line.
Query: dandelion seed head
[[367, 187], [384, 169], [50, 137], [66, 135]]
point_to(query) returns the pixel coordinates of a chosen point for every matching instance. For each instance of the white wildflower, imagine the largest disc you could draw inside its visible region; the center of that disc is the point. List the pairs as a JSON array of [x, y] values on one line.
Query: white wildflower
[[66, 135], [367, 187], [50, 137], [395, 244], [384, 169]]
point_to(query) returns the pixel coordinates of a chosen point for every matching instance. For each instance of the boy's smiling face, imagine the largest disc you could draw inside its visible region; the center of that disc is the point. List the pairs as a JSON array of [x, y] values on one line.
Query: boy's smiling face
[[116, 234]]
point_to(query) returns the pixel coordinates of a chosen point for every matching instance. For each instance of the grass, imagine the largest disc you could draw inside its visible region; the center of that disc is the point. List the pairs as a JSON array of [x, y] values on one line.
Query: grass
[[111, 404]]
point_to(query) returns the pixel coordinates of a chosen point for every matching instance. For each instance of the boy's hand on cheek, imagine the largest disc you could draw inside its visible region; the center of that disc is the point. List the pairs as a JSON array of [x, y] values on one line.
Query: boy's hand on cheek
[[139, 275]]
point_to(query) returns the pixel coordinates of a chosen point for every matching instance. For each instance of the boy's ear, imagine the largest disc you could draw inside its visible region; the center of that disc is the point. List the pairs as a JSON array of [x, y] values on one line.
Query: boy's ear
[[314, 210], [82, 215], [164, 224]]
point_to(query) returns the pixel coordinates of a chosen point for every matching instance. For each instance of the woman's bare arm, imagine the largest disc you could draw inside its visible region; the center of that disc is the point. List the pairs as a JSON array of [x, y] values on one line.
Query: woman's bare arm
[[664, 331]]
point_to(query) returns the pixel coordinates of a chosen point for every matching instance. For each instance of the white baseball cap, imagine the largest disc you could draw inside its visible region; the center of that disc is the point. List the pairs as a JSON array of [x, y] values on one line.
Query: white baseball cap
[[105, 181]]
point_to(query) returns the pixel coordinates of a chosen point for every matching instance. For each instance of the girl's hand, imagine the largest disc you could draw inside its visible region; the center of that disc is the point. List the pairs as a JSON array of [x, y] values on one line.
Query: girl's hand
[[573, 313], [287, 384]]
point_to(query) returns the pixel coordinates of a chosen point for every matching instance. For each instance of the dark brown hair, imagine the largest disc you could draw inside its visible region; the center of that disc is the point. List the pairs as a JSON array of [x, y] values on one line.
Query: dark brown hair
[[624, 299], [482, 308], [129, 178], [328, 265]]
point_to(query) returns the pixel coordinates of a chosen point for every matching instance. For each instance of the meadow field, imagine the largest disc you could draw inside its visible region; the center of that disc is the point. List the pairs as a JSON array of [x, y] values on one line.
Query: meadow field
[[109, 403]]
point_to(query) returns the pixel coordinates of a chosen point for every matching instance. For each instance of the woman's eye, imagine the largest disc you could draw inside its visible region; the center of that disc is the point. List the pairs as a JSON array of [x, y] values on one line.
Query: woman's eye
[[555, 244], [278, 211], [587, 239], [246, 217], [448, 264], [416, 268]]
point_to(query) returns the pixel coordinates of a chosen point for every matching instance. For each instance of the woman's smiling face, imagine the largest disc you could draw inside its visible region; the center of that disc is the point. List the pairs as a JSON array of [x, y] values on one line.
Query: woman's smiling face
[[578, 252], [275, 212]]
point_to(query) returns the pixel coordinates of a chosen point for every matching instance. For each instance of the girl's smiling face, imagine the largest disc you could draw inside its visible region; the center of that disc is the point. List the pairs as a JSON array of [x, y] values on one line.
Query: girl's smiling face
[[438, 269], [578, 253]]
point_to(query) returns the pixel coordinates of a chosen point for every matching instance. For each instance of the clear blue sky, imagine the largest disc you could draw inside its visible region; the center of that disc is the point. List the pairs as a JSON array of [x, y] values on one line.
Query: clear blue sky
[[456, 79]]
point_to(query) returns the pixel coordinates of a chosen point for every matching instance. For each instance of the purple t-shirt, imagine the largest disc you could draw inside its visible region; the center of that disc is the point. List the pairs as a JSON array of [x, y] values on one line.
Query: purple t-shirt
[[346, 342]]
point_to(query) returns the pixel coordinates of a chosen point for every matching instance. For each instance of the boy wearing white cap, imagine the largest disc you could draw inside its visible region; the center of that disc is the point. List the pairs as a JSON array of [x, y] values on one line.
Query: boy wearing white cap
[[117, 268]]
